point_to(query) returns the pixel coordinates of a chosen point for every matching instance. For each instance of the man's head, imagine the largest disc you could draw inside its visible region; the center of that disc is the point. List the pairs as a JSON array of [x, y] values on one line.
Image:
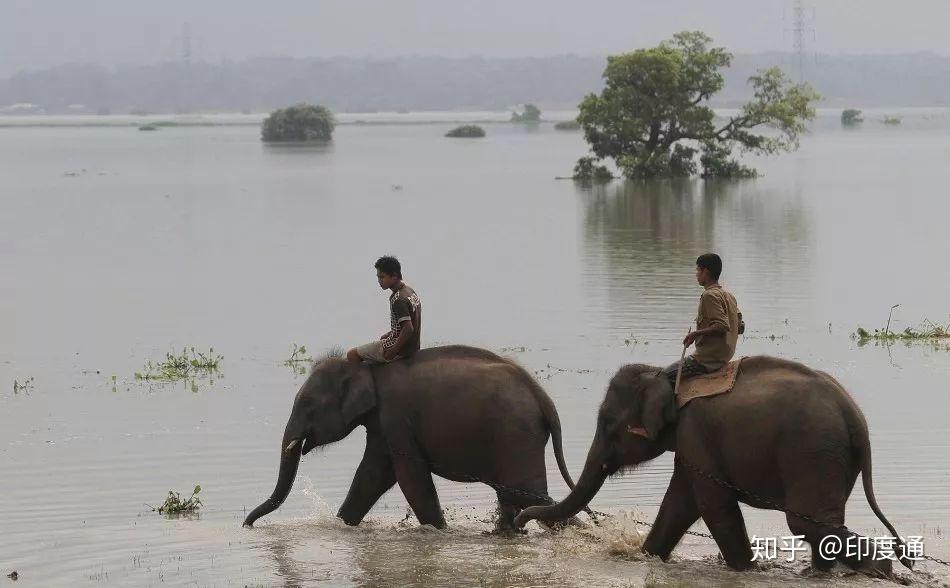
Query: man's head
[[708, 268], [388, 271]]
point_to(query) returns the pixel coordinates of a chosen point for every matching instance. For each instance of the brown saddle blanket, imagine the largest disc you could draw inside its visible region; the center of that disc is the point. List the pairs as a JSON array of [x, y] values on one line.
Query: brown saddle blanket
[[718, 382]]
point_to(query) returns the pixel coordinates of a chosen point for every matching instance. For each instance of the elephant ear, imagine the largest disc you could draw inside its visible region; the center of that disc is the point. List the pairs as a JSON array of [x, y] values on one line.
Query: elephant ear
[[657, 396], [359, 393]]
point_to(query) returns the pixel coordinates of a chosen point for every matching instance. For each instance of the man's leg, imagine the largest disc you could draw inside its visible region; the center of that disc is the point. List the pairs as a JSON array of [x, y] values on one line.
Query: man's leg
[[371, 352], [690, 368]]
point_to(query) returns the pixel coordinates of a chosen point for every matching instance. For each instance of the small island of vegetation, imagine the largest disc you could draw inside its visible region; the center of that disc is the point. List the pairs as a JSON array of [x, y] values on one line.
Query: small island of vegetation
[[892, 120], [851, 117], [466, 132], [299, 123]]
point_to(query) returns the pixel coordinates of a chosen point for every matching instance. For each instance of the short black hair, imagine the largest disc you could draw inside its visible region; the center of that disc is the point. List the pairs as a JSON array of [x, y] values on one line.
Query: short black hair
[[712, 262], [389, 265]]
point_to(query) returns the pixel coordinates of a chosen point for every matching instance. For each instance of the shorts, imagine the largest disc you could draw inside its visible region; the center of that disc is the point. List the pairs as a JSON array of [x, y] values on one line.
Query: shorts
[[372, 352], [691, 368]]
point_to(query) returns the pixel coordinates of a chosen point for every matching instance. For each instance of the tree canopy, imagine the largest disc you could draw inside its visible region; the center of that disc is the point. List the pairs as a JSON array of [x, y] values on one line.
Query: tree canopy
[[302, 122], [653, 116], [851, 116], [466, 132], [531, 114]]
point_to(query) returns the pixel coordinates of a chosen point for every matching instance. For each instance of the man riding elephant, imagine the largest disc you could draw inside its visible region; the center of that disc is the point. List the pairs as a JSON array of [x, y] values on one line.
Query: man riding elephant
[[718, 324]]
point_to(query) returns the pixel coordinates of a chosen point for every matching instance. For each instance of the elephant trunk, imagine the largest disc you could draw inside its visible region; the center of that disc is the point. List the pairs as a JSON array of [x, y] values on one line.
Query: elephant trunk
[[289, 460], [592, 478]]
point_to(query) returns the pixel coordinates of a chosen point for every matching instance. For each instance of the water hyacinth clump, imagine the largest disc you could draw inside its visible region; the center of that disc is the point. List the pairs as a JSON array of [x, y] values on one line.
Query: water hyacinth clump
[[24, 386], [928, 331], [181, 367], [299, 361], [175, 505]]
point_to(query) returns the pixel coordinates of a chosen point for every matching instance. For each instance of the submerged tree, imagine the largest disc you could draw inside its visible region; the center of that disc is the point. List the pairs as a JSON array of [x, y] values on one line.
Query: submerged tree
[[466, 132], [851, 116], [653, 117], [531, 114], [302, 122]]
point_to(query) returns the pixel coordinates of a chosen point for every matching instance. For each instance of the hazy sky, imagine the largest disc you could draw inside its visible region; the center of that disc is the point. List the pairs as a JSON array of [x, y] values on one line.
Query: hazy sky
[[40, 33]]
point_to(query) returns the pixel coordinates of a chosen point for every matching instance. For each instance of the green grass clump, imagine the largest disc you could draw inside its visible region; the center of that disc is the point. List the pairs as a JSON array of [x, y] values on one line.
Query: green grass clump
[[24, 386], [299, 361], [927, 332], [175, 505], [181, 367]]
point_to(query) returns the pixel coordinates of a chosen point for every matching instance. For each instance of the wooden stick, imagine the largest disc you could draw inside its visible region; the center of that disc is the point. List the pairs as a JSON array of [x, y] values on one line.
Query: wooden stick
[[679, 372]]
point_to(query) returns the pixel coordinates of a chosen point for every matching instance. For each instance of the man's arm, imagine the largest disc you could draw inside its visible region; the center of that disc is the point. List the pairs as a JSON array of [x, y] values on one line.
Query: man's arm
[[404, 334]]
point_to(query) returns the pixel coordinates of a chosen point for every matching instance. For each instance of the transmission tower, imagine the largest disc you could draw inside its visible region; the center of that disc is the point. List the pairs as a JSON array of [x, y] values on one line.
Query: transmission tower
[[801, 26], [186, 44], [185, 101]]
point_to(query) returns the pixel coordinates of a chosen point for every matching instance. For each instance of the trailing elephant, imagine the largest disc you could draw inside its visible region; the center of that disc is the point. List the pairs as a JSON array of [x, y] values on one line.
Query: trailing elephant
[[785, 437], [462, 413]]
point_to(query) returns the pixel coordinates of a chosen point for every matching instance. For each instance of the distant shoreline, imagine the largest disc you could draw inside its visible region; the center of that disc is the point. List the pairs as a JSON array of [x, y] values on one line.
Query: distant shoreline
[[370, 119]]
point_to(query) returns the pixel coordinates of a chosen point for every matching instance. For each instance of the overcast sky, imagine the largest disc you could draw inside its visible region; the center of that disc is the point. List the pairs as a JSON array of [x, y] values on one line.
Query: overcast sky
[[40, 33]]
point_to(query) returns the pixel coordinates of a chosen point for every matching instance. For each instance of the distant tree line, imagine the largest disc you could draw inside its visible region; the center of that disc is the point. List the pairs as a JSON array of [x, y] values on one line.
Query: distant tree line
[[421, 83]]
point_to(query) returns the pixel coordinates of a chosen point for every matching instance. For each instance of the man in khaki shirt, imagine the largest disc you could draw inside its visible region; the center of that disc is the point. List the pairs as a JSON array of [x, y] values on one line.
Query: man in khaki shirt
[[718, 324]]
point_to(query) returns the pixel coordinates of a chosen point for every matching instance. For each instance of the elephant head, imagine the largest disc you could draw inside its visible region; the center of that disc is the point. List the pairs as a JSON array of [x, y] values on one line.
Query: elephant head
[[331, 403], [632, 428]]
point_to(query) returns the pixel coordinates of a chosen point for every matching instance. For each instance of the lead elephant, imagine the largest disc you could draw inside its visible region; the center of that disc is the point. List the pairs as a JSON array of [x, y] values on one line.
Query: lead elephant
[[786, 437], [459, 412]]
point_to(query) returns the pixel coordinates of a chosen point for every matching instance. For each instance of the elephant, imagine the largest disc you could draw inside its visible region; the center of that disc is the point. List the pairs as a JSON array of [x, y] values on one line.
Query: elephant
[[786, 437], [463, 413]]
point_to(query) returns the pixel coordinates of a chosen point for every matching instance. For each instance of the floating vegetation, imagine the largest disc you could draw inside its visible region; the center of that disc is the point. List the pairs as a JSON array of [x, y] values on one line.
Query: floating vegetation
[[148, 128], [181, 367], [770, 337], [515, 349], [175, 505], [892, 120], [24, 386], [928, 331], [299, 361], [466, 132]]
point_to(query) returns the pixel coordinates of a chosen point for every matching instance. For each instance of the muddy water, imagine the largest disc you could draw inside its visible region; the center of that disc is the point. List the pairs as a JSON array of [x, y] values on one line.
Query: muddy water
[[117, 246]]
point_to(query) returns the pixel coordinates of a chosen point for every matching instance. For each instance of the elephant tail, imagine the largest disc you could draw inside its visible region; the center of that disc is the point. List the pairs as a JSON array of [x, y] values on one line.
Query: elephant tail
[[554, 426], [869, 494]]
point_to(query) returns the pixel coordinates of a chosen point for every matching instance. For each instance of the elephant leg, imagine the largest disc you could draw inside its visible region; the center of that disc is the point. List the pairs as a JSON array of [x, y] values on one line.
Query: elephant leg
[[374, 477], [678, 512], [720, 511], [511, 502], [415, 481], [859, 558], [507, 511]]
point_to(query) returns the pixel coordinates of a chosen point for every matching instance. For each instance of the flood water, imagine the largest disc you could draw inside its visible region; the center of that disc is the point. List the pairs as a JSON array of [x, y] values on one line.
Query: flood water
[[117, 246]]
